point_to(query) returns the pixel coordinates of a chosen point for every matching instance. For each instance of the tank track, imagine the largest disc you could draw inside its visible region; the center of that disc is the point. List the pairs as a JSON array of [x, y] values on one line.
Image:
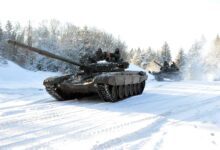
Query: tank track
[[51, 89], [104, 93]]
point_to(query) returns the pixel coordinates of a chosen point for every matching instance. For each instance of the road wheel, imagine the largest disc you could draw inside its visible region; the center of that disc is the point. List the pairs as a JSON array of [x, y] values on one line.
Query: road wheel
[[121, 92], [127, 92], [139, 89], [135, 89], [142, 86], [131, 89], [114, 93]]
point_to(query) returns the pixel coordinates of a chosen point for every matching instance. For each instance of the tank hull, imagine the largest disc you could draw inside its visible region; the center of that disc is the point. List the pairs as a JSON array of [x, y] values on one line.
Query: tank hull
[[79, 85], [160, 76]]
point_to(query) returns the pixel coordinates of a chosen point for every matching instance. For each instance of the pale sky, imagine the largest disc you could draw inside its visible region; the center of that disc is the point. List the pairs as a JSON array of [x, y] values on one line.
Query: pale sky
[[140, 23]]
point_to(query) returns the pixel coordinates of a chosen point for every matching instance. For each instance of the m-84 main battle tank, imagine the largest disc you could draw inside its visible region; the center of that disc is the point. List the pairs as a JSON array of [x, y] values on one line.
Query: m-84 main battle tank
[[167, 72], [108, 79]]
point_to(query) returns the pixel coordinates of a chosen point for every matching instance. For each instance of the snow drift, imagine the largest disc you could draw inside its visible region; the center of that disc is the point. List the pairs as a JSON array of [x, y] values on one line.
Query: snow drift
[[13, 76]]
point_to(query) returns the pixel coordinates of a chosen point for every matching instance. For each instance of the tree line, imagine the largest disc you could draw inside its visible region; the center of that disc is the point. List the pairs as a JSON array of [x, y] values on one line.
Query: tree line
[[66, 40], [196, 63], [73, 42]]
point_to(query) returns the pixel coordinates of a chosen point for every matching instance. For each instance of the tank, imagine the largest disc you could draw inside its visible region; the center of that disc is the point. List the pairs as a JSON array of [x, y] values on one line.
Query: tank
[[167, 72], [107, 79]]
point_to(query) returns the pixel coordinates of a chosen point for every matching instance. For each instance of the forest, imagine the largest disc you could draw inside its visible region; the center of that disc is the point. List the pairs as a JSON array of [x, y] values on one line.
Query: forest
[[73, 42], [198, 63], [66, 40]]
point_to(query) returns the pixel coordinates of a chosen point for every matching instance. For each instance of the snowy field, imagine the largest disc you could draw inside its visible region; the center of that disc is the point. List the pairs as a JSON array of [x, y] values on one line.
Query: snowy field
[[167, 116]]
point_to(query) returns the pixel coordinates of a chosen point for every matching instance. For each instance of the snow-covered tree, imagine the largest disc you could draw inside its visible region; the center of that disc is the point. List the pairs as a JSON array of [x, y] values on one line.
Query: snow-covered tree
[[65, 40], [216, 49], [195, 63], [213, 57], [136, 59], [8, 27], [1, 38], [180, 58], [131, 54], [1, 32], [217, 43], [150, 54], [29, 31], [165, 54]]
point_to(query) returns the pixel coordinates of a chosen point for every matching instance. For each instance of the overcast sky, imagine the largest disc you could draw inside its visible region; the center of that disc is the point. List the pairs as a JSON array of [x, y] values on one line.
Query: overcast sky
[[140, 23]]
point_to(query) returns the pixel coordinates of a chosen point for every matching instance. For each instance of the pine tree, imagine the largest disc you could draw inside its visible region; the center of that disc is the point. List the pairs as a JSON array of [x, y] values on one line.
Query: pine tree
[[29, 34], [194, 51], [1, 32], [68, 41], [195, 63], [136, 59], [165, 53], [180, 59], [1, 38], [131, 54], [217, 48], [8, 28], [150, 54], [213, 58], [8, 49]]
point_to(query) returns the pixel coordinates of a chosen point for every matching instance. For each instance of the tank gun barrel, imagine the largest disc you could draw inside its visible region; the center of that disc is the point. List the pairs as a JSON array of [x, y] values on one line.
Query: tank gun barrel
[[157, 63], [43, 52], [89, 68]]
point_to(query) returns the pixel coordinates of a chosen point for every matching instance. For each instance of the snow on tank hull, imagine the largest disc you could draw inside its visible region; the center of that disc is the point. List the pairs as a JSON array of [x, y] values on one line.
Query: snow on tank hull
[[110, 86]]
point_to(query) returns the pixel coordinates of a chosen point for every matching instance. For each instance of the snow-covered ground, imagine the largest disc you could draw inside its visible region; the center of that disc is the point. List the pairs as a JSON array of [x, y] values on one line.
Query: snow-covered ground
[[167, 116], [12, 76]]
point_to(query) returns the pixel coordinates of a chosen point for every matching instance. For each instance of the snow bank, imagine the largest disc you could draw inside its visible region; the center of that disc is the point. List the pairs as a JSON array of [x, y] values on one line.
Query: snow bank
[[13, 76]]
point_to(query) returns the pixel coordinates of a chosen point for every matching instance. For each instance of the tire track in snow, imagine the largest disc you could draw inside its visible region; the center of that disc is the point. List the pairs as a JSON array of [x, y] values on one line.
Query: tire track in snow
[[117, 127], [70, 115], [47, 135], [139, 134], [82, 135], [167, 115]]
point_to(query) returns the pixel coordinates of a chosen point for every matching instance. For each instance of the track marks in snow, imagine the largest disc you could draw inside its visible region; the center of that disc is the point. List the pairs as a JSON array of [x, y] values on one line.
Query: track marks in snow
[[32, 119], [142, 133]]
